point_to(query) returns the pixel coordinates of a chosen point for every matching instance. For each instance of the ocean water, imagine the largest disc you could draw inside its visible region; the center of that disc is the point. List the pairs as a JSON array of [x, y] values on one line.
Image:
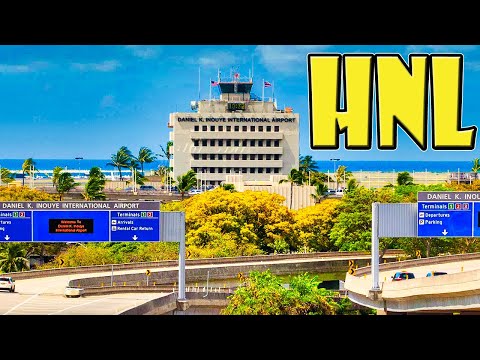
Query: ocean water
[[324, 166]]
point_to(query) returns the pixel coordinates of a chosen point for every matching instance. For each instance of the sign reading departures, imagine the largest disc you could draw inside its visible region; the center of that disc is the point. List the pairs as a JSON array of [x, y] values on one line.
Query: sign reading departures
[[448, 213], [82, 221]]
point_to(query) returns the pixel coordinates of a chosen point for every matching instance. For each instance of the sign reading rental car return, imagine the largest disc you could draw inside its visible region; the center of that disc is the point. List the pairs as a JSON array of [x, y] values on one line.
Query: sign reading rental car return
[[79, 221]]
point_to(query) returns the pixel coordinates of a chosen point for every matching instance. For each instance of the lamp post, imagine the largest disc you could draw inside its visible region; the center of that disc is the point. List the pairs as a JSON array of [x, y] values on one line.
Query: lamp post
[[79, 158], [334, 171]]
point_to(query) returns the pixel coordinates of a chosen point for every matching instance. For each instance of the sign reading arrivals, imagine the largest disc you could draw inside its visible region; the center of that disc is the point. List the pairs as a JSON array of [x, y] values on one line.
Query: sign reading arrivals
[[448, 214], [82, 221]]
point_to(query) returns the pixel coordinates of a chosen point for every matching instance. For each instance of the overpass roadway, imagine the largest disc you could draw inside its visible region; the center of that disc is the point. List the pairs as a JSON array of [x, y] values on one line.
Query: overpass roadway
[[457, 292], [42, 292]]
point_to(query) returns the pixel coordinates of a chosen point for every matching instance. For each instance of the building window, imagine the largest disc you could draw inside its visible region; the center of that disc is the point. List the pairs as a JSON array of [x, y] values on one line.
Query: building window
[[229, 142], [260, 157], [252, 170], [212, 127], [212, 156], [220, 170], [204, 156], [212, 142], [252, 143], [260, 128], [195, 156], [277, 128], [229, 157], [195, 142], [276, 157], [277, 143], [220, 128], [220, 142], [269, 128], [236, 128], [196, 127], [204, 142], [252, 128], [244, 157], [260, 142], [244, 142], [244, 128], [268, 170], [268, 157], [236, 143], [269, 143], [229, 128], [236, 157], [212, 170], [204, 128], [260, 170], [244, 170], [252, 156], [276, 170], [228, 170]]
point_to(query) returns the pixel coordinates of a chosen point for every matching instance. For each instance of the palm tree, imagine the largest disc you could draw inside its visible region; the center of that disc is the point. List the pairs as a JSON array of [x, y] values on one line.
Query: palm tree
[[56, 173], [95, 185], [6, 176], [476, 167], [13, 258], [307, 164], [404, 178], [145, 155], [65, 183], [351, 185], [321, 191], [342, 173], [186, 182], [121, 159], [166, 151], [27, 168], [294, 177]]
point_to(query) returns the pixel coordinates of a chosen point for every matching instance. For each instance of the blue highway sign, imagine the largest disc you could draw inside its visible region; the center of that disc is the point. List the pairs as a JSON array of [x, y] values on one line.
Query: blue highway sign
[[82, 221], [448, 214]]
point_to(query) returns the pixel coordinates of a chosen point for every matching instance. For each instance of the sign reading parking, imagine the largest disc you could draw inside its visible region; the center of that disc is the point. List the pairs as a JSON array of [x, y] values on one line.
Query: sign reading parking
[[82, 221], [448, 213]]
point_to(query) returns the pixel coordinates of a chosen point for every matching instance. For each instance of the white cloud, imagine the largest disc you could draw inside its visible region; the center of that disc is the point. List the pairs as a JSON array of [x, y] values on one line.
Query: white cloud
[[440, 48], [142, 51], [107, 101], [215, 59], [104, 66], [472, 65], [23, 68], [287, 59]]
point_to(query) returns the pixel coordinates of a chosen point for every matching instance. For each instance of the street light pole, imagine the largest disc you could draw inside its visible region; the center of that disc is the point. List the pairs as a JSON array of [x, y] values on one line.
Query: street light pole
[[334, 171], [79, 158]]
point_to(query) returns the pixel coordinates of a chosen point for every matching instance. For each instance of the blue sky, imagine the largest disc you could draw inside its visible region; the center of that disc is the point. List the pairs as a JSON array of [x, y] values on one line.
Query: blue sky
[[87, 101]]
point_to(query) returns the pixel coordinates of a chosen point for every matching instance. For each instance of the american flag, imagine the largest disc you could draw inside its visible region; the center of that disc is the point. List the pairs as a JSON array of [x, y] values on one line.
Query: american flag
[[267, 84], [213, 83]]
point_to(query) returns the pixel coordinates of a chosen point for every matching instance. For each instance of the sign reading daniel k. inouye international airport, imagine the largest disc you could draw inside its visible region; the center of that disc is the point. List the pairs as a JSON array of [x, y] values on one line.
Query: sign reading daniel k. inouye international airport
[[82, 221]]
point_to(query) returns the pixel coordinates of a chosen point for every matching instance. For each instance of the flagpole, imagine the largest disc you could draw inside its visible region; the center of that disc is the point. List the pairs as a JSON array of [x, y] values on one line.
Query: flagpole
[[273, 91], [199, 83], [210, 96], [263, 89]]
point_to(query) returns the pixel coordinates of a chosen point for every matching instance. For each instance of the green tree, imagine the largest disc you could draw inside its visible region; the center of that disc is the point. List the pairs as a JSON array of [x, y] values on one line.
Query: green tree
[[476, 167], [295, 177], [65, 183], [13, 258], [186, 182], [321, 191], [166, 151], [228, 187], [6, 176], [342, 175], [57, 170], [121, 159], [262, 293], [95, 185], [307, 164], [145, 155], [404, 178], [28, 167], [351, 185]]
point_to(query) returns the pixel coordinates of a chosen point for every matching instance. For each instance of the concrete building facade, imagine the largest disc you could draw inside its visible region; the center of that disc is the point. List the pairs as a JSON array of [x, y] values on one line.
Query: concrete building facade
[[235, 134]]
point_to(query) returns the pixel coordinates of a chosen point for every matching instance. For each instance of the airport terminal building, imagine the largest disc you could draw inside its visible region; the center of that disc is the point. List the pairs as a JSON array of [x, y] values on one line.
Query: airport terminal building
[[236, 134]]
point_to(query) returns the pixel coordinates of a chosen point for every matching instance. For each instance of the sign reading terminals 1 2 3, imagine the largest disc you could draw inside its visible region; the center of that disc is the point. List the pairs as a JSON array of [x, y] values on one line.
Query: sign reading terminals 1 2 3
[[79, 221], [448, 213]]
